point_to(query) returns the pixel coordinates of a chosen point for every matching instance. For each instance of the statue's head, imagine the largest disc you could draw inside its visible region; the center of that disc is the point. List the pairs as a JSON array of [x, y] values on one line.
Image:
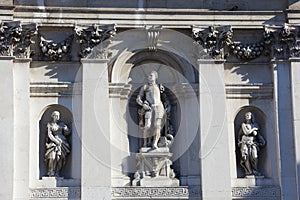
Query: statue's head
[[55, 115], [152, 76], [249, 116]]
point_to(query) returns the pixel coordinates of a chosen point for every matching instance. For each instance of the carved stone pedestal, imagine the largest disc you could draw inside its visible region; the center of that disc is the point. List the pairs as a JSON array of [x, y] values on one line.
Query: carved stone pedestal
[[154, 168], [56, 188]]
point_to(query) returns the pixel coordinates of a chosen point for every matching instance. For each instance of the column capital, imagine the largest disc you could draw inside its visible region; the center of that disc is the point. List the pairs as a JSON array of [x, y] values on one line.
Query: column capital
[[294, 59], [7, 57], [22, 60]]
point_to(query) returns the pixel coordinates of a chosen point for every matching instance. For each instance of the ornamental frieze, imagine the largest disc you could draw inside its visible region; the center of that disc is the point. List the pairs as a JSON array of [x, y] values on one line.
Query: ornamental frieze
[[217, 42], [277, 43]]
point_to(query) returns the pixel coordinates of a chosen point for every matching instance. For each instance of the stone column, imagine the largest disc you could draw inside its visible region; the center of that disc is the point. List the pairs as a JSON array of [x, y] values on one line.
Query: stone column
[[284, 127], [21, 127], [214, 152], [288, 181], [7, 127], [96, 155]]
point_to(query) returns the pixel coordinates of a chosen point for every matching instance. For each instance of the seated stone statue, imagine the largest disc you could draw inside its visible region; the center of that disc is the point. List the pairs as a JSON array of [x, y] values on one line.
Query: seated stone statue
[[250, 141], [153, 112], [57, 146]]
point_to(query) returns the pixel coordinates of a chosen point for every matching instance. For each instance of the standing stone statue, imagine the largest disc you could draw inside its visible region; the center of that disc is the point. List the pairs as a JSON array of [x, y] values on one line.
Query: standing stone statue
[[154, 107], [154, 158], [250, 141], [57, 146]]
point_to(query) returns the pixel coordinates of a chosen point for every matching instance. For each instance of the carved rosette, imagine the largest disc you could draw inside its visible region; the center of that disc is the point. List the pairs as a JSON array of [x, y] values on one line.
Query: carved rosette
[[92, 36], [213, 39], [55, 51]]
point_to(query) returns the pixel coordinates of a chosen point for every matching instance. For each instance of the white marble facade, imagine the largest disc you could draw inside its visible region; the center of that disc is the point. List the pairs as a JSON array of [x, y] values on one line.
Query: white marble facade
[[217, 60]]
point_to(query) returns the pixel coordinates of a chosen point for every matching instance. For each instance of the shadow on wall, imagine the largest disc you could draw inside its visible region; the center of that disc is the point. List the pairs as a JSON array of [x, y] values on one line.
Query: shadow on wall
[[67, 118]]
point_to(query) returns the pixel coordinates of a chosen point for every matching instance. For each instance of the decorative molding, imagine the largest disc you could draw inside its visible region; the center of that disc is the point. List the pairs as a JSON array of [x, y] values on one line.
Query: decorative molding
[[56, 51], [257, 192], [150, 192], [22, 48], [249, 91], [119, 90], [213, 39], [152, 36], [73, 193], [93, 36], [54, 89]]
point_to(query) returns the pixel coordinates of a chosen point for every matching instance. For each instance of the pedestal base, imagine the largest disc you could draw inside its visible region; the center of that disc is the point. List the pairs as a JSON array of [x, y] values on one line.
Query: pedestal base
[[52, 182], [154, 168], [159, 182]]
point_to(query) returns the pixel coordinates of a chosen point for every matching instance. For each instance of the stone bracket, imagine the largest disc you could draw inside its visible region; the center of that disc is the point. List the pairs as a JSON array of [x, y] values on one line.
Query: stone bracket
[[152, 36]]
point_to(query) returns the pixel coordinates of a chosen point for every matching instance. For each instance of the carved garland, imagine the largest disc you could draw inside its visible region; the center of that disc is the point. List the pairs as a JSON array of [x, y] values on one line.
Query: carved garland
[[55, 51], [247, 51]]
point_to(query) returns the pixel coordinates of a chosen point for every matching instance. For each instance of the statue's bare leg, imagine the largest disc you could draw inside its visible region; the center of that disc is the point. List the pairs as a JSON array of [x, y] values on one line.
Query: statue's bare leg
[[145, 138], [146, 128], [51, 164], [157, 130]]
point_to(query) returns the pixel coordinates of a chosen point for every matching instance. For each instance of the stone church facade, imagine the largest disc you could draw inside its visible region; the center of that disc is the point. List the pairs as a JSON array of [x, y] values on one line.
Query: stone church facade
[[71, 76]]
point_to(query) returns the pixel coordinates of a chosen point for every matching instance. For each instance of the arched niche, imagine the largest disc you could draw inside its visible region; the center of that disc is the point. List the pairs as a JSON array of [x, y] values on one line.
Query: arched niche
[[174, 49], [260, 119], [66, 117], [175, 60]]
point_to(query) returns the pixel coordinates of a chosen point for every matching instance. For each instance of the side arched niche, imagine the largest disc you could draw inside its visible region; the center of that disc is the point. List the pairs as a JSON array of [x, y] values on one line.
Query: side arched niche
[[66, 117], [260, 119]]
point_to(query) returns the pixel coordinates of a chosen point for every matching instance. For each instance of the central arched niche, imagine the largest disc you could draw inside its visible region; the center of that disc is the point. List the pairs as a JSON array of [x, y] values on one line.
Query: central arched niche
[[175, 60]]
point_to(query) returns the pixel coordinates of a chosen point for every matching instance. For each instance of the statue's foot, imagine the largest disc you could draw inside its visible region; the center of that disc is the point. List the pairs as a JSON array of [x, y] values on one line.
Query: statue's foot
[[154, 146], [256, 173]]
